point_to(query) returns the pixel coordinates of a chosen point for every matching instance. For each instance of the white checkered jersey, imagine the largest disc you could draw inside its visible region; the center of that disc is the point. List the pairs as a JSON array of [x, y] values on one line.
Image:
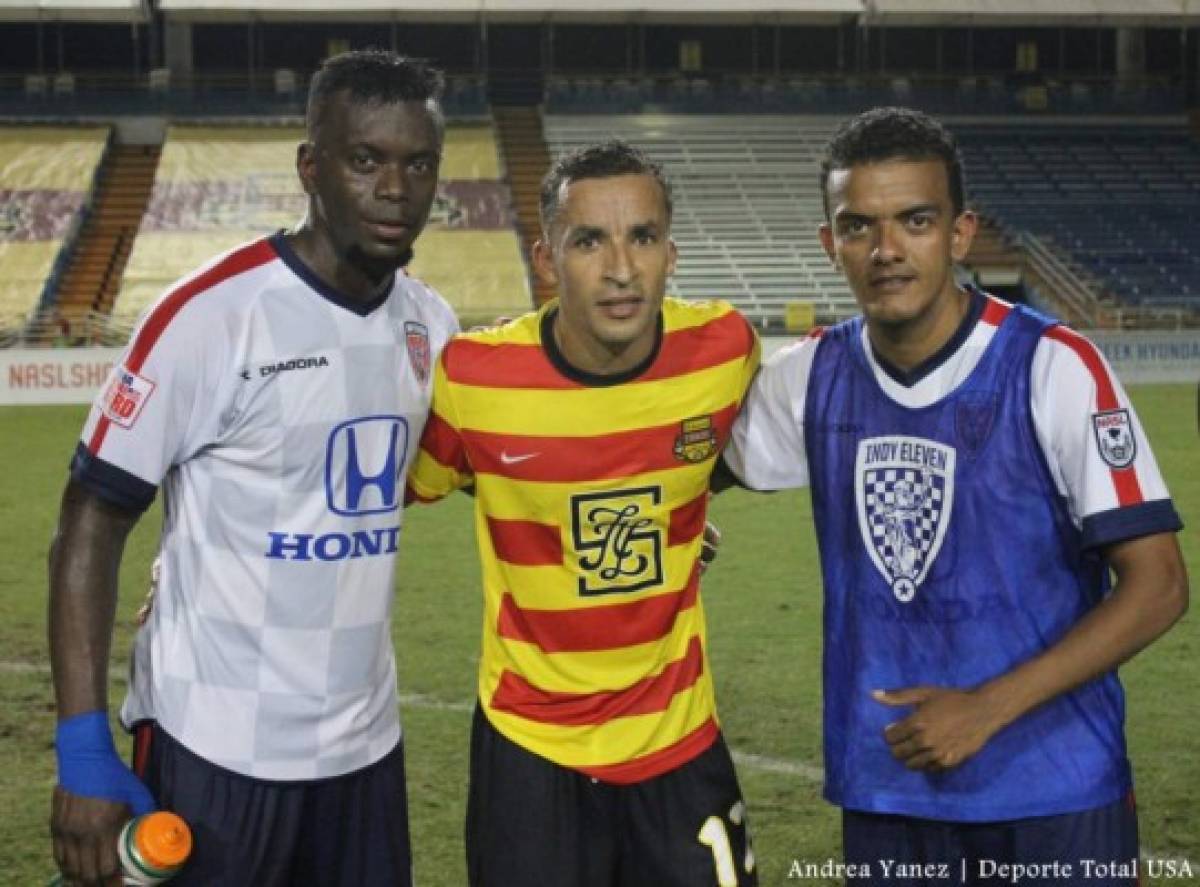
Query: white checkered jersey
[[280, 420], [1088, 431]]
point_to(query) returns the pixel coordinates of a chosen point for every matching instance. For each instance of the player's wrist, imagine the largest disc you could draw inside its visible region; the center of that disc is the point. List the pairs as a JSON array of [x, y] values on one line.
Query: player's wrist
[[89, 766], [79, 741]]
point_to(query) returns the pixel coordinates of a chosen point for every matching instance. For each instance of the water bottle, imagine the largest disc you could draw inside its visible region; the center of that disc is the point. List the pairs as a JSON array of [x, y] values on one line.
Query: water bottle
[[152, 848]]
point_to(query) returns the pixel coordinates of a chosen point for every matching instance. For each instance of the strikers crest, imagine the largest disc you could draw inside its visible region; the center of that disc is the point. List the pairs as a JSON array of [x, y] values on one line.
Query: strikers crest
[[697, 439], [416, 336], [1114, 437], [904, 491]]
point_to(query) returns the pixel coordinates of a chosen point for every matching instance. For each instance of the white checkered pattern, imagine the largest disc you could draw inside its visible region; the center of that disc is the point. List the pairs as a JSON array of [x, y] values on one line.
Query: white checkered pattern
[[275, 667], [880, 497]]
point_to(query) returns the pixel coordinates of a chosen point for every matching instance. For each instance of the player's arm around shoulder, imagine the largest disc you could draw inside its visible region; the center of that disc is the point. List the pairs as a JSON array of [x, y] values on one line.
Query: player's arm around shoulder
[[440, 466], [766, 448]]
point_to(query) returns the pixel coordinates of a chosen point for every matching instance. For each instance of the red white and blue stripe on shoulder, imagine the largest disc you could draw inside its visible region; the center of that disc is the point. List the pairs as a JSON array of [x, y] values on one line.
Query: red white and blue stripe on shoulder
[[239, 261]]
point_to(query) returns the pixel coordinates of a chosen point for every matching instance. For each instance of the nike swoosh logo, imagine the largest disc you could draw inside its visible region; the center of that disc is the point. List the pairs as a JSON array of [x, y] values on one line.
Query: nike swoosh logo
[[514, 460]]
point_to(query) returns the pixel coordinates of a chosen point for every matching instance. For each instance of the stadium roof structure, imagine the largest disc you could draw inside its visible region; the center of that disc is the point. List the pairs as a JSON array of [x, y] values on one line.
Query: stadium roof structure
[[555, 10], [74, 11], [1081, 13]]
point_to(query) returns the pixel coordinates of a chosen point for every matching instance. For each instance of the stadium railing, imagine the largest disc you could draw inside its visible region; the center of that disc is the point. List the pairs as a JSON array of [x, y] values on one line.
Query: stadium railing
[[203, 94]]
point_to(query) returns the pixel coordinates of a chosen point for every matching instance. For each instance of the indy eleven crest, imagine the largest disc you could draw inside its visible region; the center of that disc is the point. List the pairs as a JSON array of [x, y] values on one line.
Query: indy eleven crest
[[904, 487], [697, 439]]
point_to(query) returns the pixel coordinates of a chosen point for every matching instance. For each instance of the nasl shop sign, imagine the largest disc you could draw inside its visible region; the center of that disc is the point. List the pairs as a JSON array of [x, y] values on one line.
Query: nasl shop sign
[[49, 375]]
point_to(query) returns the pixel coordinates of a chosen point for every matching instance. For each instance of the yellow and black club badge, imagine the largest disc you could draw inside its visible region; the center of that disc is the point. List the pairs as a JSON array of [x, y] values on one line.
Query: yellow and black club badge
[[697, 439]]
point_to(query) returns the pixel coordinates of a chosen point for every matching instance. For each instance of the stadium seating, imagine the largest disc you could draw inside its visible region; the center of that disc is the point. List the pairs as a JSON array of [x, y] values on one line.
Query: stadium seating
[[46, 175], [217, 187], [747, 205], [1121, 202]]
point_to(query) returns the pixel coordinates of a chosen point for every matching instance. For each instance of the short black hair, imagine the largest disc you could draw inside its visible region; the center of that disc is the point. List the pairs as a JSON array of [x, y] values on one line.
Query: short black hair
[[894, 134], [598, 161], [373, 75]]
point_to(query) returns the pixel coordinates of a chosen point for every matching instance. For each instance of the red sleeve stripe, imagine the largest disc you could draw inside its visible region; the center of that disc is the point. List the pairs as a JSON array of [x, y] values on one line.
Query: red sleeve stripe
[[441, 441], [652, 694], [525, 543], [994, 312], [604, 627], [238, 262], [248, 257], [687, 521], [577, 459], [656, 763], [1129, 490], [470, 362]]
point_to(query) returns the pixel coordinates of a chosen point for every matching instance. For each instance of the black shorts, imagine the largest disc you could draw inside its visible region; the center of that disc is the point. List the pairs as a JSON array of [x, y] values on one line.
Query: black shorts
[[346, 831], [1096, 848], [532, 823]]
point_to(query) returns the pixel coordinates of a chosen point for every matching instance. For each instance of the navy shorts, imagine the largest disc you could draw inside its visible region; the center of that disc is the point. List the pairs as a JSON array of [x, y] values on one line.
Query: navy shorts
[[1097, 848], [345, 831], [532, 823]]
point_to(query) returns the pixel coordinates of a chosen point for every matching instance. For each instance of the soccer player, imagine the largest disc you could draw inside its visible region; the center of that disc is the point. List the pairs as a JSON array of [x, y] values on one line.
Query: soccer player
[[589, 431], [976, 473], [277, 395]]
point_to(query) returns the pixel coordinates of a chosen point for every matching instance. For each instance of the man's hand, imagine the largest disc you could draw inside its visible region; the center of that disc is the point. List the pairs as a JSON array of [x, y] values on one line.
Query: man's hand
[[84, 832], [709, 545], [95, 796], [947, 726]]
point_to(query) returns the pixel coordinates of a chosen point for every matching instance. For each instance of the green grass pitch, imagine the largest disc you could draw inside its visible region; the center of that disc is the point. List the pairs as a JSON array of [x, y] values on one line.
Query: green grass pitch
[[763, 602]]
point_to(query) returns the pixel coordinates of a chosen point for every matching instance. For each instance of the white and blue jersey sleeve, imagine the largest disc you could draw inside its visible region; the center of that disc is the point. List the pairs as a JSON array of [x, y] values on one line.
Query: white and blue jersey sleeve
[[1095, 447], [766, 449]]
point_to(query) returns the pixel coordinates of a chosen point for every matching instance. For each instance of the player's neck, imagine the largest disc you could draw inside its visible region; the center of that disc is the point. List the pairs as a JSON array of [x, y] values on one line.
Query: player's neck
[[908, 345], [355, 283], [598, 358]]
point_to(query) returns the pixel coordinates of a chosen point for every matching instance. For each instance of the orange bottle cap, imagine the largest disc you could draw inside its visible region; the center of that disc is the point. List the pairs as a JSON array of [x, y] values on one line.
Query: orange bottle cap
[[163, 839]]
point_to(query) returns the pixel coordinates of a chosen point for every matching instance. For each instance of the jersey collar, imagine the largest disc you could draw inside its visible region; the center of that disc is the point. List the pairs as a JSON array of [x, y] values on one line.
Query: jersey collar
[[279, 243], [909, 378], [594, 380]]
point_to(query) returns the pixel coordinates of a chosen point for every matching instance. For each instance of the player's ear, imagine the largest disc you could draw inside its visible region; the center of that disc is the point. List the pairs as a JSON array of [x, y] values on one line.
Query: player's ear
[[672, 255], [306, 166], [543, 262], [962, 234], [825, 232]]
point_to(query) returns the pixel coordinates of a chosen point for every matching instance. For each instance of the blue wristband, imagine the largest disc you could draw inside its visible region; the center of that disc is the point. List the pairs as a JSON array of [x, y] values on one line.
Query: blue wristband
[[88, 764]]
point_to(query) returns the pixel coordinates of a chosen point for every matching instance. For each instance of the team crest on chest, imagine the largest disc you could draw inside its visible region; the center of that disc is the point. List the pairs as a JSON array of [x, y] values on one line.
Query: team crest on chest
[[974, 418], [1114, 437], [697, 439], [416, 336], [904, 487]]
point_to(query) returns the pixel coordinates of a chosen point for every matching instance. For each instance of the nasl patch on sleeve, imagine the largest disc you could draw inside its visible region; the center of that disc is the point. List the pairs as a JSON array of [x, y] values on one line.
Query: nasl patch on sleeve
[[1114, 437], [126, 396]]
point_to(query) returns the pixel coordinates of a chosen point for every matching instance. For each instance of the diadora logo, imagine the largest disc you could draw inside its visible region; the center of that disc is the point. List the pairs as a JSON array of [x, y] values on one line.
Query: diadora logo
[[364, 463]]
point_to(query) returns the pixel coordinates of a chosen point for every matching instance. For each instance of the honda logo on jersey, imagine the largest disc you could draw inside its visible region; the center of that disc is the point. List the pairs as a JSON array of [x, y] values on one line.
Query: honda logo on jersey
[[364, 465], [904, 488]]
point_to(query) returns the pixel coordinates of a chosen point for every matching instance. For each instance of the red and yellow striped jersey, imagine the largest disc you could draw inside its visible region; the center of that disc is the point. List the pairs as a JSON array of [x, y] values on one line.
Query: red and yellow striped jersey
[[590, 497]]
